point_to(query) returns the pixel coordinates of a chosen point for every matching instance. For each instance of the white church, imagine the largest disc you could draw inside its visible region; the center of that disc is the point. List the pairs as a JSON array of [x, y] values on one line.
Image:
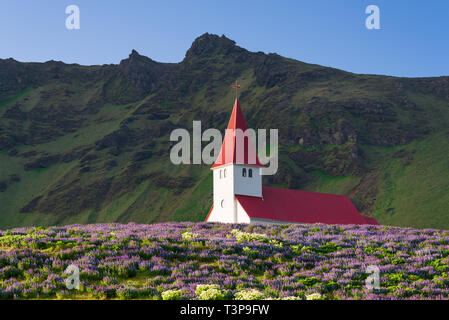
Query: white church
[[240, 197]]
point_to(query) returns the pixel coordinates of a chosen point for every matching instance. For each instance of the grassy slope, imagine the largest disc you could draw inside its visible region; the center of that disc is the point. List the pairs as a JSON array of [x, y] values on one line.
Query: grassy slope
[[412, 195], [34, 182], [143, 199], [415, 194]]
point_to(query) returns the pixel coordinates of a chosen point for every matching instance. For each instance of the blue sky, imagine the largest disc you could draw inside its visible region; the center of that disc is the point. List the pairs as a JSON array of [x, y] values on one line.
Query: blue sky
[[413, 39]]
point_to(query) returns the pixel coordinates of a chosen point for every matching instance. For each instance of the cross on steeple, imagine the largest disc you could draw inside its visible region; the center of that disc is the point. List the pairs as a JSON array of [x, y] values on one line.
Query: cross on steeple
[[236, 86]]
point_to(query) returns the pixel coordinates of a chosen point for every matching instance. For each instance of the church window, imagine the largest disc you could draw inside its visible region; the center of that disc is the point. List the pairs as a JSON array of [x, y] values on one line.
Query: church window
[[250, 173], [222, 203], [220, 174], [224, 173], [244, 172]]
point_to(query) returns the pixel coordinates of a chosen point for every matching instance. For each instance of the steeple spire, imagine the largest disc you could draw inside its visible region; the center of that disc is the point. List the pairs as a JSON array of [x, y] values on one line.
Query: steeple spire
[[229, 145]]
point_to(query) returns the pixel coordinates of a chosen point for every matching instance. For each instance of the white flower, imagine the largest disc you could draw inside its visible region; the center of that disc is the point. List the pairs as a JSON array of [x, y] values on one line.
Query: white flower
[[252, 294], [246, 236], [172, 295], [314, 296], [189, 235], [211, 294], [291, 298], [203, 287]]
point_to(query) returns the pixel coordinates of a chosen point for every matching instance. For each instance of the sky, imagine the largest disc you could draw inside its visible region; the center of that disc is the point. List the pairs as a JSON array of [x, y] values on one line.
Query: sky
[[412, 40]]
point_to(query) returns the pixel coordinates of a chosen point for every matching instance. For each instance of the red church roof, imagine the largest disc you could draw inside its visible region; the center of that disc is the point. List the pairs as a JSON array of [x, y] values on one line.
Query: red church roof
[[229, 149], [303, 207]]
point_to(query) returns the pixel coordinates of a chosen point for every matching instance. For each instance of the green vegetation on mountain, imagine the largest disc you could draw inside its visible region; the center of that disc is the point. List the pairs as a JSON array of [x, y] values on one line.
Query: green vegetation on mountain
[[85, 144]]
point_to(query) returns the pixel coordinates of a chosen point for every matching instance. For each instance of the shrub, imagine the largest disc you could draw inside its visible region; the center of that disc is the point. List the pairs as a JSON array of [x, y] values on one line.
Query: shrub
[[314, 296], [172, 295], [204, 287], [246, 236], [251, 294], [189, 235], [211, 294]]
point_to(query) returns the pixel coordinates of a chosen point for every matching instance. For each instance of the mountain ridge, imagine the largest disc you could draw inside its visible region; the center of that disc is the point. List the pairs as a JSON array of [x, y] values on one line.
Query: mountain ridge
[[210, 39]]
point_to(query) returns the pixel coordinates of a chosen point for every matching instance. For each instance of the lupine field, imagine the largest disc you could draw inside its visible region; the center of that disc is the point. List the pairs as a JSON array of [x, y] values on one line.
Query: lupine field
[[215, 261]]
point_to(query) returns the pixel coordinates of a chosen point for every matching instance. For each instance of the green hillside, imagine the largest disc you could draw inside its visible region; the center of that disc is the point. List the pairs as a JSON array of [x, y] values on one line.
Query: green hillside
[[85, 144]]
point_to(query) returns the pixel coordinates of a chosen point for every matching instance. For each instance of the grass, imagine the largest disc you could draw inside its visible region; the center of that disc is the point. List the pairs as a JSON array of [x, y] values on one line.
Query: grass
[[414, 192], [194, 209], [322, 182], [415, 195], [14, 98], [87, 134]]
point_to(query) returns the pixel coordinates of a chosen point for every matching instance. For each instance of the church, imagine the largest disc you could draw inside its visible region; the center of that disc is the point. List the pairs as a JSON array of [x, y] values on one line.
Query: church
[[240, 197]]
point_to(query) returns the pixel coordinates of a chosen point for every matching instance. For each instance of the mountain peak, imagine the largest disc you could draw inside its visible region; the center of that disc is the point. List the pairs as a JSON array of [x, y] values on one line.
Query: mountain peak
[[136, 59], [207, 44], [134, 54]]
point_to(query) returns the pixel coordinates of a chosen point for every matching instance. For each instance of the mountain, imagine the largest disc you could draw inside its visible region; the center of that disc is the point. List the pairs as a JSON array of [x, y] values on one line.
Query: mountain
[[84, 144]]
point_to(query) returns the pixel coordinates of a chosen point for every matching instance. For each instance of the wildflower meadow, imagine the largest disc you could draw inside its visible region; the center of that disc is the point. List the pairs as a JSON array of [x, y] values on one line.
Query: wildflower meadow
[[218, 261]]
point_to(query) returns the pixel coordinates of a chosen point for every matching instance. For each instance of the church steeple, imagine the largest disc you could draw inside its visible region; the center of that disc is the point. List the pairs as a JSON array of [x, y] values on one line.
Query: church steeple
[[237, 170], [229, 147]]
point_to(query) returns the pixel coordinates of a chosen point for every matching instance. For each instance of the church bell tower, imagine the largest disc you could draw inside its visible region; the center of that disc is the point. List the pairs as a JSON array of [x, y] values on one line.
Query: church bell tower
[[237, 170]]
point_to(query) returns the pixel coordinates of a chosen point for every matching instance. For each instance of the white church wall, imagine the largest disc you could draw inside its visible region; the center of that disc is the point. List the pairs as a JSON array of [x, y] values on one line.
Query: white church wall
[[242, 216], [214, 216], [249, 186], [224, 206], [228, 181]]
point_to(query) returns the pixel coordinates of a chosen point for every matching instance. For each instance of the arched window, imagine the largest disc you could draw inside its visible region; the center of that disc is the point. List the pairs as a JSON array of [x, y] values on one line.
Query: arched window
[[244, 172], [224, 173], [250, 173], [220, 174]]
